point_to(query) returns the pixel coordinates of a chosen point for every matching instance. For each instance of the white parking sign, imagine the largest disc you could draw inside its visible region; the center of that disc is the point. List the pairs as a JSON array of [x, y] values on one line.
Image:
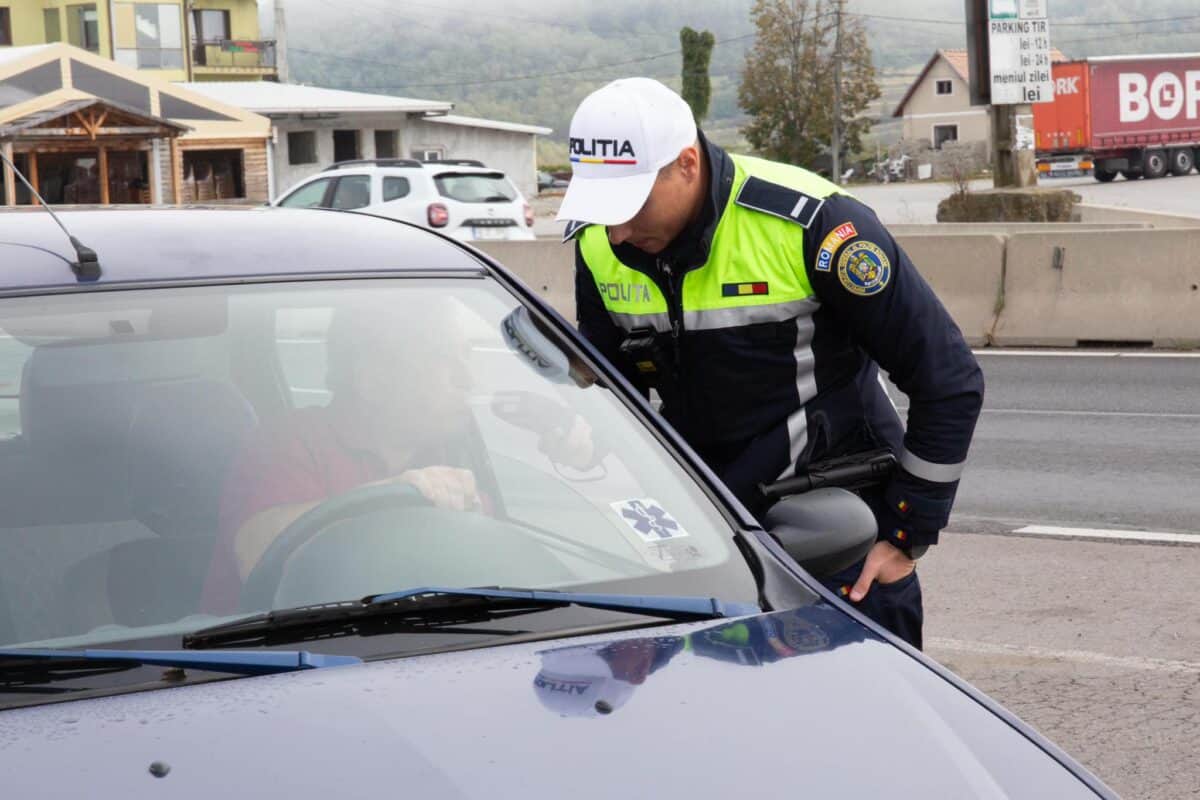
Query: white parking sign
[[1019, 43]]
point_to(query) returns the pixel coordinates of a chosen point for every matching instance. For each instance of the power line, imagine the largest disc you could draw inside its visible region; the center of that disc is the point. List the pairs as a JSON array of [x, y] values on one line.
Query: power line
[[1090, 23]]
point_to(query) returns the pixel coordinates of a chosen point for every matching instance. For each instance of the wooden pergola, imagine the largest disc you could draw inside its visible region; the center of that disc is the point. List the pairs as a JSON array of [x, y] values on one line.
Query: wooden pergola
[[88, 125]]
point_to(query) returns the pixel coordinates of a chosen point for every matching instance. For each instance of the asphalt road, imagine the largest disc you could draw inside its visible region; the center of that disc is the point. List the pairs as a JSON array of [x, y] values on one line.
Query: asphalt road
[[917, 202], [1094, 643]]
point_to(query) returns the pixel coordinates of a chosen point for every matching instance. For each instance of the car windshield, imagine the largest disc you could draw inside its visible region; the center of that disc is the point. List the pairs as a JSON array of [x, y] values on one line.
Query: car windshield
[[177, 457], [475, 187]]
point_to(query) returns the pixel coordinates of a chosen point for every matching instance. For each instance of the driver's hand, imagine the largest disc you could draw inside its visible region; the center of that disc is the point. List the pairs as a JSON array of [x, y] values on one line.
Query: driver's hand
[[574, 448], [446, 487]]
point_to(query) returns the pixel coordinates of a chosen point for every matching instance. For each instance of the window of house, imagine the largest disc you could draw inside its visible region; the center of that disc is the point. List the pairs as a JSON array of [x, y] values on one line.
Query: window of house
[[385, 144], [5, 27], [52, 21], [429, 153], [210, 28], [149, 35], [345, 146], [83, 27], [302, 147], [945, 87], [210, 25], [213, 175], [395, 188], [943, 134]]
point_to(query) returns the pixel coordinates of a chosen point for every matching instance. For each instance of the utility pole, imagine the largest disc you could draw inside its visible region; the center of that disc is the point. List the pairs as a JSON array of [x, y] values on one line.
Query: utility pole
[[837, 95]]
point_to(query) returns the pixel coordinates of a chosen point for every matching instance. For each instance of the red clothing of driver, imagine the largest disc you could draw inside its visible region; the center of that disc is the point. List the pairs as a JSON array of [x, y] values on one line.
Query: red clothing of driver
[[300, 459]]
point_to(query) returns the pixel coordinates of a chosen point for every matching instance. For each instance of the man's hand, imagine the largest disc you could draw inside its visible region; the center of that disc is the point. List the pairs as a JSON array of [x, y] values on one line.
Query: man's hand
[[885, 563], [445, 487], [574, 449]]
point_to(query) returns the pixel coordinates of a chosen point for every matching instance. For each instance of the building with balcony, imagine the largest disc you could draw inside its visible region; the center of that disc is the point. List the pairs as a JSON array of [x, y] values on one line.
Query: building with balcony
[[86, 130], [176, 40]]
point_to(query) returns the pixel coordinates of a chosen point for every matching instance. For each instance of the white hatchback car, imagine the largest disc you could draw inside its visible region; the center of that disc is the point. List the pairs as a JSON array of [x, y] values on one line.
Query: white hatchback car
[[463, 199]]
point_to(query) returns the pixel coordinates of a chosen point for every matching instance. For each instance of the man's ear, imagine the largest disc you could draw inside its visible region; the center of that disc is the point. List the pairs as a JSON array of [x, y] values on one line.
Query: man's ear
[[689, 162]]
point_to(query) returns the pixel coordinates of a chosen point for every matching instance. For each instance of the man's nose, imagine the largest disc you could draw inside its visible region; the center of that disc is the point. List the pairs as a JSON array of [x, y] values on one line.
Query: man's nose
[[619, 233]]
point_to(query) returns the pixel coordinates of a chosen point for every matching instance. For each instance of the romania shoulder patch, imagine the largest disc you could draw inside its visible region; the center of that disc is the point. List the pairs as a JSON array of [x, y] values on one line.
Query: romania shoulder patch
[[864, 269]]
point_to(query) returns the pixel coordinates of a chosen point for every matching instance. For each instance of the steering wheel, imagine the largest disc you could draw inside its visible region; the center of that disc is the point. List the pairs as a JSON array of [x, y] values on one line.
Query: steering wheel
[[264, 578]]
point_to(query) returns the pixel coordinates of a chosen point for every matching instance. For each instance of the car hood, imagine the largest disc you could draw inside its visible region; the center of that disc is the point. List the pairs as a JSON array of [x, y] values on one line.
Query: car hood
[[806, 701]]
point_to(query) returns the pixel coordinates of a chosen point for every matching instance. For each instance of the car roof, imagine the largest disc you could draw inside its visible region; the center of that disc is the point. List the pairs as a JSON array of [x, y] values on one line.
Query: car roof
[[401, 167], [155, 245]]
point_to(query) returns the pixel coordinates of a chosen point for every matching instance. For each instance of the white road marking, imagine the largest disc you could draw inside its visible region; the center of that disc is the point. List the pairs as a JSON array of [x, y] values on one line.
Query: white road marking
[[1077, 656], [1052, 412], [987, 351], [1104, 533]]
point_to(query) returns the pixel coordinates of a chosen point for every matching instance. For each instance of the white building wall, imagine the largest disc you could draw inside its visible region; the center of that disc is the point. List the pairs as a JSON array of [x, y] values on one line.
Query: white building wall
[[513, 153]]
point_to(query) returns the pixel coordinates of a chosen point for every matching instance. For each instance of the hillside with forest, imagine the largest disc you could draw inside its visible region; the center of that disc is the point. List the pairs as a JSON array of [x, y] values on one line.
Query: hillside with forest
[[533, 60]]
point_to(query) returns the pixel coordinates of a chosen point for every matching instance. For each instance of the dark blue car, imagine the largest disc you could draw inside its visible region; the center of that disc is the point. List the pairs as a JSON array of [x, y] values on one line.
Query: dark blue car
[[316, 504]]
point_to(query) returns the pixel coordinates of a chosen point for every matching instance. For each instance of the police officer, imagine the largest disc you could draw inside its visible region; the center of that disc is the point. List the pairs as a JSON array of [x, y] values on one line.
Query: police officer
[[761, 301]]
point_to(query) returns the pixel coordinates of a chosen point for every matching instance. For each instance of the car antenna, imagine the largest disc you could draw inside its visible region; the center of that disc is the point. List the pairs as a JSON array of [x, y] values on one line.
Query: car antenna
[[87, 267]]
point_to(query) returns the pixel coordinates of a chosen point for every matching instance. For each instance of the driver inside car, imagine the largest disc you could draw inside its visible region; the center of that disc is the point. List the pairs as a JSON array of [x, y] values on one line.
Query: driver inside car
[[399, 413]]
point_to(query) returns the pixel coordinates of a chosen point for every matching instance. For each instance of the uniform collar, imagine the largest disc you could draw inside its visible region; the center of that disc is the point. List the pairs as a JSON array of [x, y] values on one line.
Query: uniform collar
[[690, 248]]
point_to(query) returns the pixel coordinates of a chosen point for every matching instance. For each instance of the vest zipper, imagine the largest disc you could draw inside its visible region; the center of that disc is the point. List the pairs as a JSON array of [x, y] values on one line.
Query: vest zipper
[[674, 311]]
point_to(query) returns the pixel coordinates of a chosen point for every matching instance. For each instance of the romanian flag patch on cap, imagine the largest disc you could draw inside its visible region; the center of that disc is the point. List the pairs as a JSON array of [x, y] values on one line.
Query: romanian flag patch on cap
[[743, 289], [901, 535], [903, 506]]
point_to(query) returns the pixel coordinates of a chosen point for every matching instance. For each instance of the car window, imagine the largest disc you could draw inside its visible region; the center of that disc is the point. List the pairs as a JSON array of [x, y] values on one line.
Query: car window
[[310, 195], [172, 423], [395, 188], [351, 192], [475, 187]]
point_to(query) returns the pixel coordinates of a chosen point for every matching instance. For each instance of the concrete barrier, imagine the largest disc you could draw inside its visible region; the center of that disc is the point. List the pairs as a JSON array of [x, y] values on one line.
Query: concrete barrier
[[966, 271], [547, 266], [1006, 228], [1115, 285], [1121, 287], [1101, 215]]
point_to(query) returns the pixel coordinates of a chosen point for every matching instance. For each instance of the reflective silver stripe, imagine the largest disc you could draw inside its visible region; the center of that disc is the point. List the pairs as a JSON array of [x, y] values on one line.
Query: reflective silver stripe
[[806, 387], [929, 471], [630, 322], [717, 318]]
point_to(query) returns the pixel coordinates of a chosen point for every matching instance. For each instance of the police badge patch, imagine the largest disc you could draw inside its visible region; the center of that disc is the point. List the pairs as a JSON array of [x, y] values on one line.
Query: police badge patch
[[864, 269]]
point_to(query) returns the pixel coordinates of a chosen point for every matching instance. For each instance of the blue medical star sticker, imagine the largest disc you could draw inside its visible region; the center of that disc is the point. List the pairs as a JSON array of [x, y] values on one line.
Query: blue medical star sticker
[[650, 520]]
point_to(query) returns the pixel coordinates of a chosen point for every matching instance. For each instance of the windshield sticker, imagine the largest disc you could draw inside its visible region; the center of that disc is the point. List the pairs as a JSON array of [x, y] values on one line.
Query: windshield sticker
[[649, 520]]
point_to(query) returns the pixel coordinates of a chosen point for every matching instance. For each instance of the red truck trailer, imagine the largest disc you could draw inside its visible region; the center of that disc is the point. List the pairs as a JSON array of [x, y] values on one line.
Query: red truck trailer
[[1134, 115]]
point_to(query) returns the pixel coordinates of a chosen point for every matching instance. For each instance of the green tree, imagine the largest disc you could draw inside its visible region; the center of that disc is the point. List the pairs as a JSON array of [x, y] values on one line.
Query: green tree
[[697, 53], [787, 80]]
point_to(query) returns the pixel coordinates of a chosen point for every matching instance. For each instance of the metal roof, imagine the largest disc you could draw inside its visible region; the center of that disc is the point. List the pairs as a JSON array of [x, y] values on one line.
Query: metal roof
[[11, 54], [62, 109], [475, 122], [265, 97]]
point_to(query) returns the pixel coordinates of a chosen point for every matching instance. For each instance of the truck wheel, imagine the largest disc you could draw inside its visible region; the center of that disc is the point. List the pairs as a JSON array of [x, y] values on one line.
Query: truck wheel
[[1130, 175], [1154, 164], [1181, 161], [1104, 175]]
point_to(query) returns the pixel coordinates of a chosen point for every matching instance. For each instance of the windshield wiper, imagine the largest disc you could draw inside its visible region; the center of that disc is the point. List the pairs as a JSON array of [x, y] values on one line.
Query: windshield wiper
[[433, 607], [265, 662]]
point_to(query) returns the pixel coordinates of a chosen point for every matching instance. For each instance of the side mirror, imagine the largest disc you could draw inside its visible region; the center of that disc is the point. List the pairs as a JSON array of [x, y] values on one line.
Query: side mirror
[[825, 530]]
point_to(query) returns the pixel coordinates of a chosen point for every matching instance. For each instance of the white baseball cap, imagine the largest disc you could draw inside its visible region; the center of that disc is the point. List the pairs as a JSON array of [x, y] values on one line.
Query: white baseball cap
[[621, 136]]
